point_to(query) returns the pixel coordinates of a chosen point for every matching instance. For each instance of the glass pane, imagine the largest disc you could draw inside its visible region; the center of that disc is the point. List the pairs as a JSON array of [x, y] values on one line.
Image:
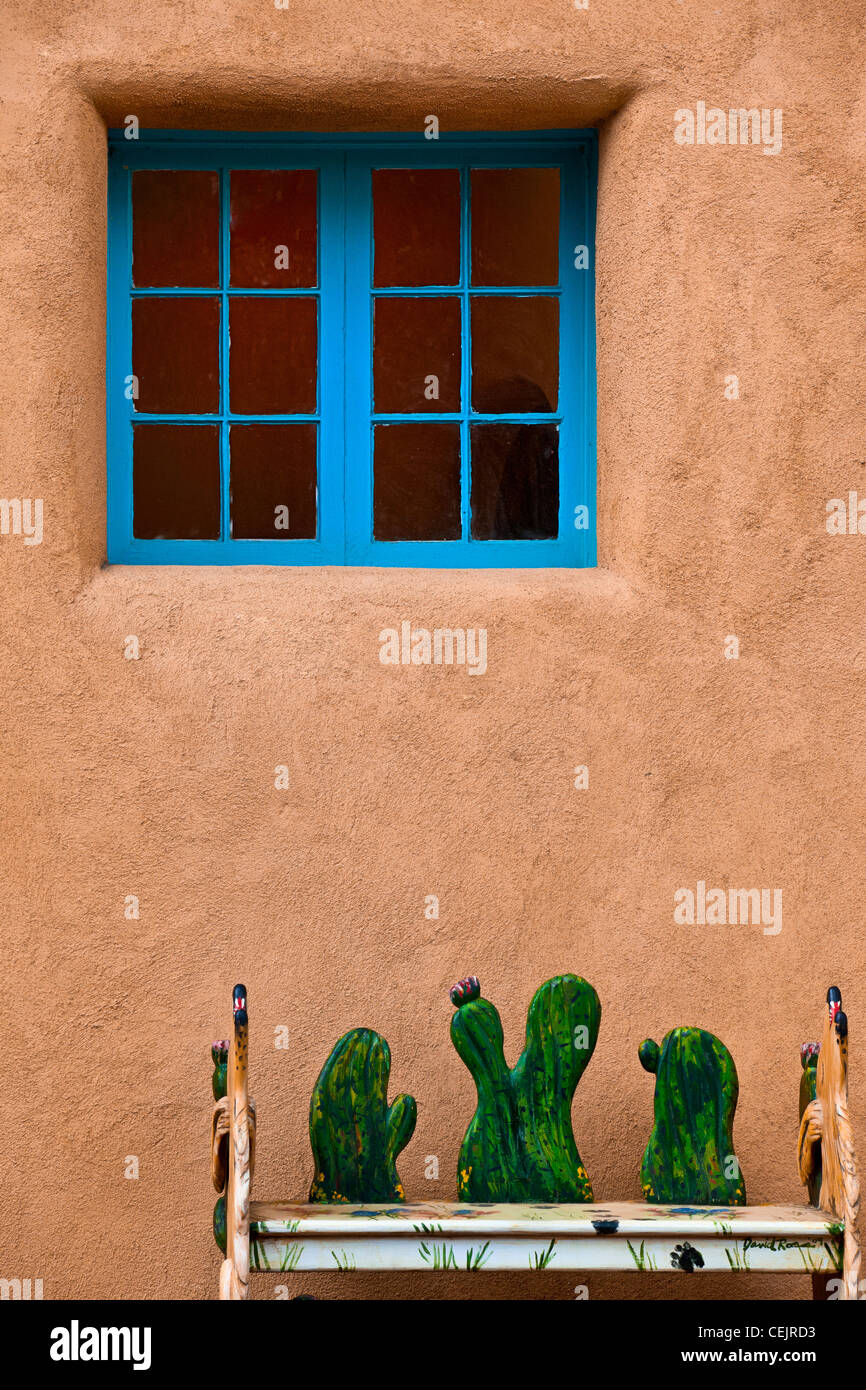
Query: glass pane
[[272, 369], [515, 353], [176, 355], [416, 226], [273, 481], [273, 228], [175, 228], [416, 354], [416, 494], [176, 482], [515, 226], [515, 482]]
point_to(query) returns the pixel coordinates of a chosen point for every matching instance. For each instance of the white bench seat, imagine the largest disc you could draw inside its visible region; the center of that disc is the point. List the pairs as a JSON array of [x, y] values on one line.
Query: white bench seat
[[611, 1236]]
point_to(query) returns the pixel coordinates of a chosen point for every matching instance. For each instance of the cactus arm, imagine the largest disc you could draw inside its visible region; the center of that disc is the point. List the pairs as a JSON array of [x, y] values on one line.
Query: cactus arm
[[400, 1124], [489, 1167], [648, 1052]]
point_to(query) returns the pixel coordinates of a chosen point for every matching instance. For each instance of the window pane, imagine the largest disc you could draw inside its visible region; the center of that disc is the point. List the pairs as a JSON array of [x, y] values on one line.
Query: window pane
[[515, 353], [515, 482], [416, 226], [273, 228], [273, 355], [176, 482], [515, 226], [175, 228], [175, 355], [273, 482], [416, 495], [416, 354]]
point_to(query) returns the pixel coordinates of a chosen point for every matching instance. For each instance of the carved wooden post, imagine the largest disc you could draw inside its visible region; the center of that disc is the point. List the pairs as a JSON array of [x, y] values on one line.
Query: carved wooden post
[[235, 1272], [826, 1138]]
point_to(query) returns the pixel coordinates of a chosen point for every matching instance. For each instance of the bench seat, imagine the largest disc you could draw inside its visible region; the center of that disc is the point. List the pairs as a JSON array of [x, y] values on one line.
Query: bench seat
[[611, 1236]]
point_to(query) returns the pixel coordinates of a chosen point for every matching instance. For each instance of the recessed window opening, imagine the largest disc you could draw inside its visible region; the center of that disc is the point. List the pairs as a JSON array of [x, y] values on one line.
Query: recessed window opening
[[352, 350]]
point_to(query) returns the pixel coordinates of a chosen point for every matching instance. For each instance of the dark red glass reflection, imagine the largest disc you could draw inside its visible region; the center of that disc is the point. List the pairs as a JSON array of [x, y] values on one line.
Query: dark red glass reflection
[[175, 354], [416, 489], [272, 360], [176, 482], [273, 481], [515, 482], [273, 228], [175, 228], [515, 353], [416, 227], [515, 226], [416, 354]]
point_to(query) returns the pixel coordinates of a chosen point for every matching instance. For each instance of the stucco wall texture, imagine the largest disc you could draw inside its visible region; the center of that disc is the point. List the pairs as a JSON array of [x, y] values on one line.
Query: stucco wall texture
[[156, 777]]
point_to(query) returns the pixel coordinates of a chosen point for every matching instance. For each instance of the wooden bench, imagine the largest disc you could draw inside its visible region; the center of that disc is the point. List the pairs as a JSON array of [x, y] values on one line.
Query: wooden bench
[[294, 1238]]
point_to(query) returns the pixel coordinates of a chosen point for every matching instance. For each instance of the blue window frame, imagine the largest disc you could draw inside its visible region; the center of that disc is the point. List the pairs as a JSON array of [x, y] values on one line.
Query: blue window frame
[[352, 451]]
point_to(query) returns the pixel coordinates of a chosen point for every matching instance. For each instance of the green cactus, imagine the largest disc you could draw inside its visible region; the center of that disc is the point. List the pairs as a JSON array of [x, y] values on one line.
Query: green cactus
[[219, 1081], [355, 1135], [219, 1222], [808, 1090], [519, 1146], [692, 1145], [219, 1084]]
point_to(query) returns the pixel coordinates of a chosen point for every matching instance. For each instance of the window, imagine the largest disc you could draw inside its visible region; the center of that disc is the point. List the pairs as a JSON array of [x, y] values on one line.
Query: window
[[351, 350]]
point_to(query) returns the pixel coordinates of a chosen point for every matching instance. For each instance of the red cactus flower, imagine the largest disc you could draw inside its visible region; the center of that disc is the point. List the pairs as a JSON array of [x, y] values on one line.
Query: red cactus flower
[[465, 990]]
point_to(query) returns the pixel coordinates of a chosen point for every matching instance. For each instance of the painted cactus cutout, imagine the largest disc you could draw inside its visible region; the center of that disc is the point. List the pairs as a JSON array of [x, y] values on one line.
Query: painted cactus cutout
[[808, 1091], [520, 1146], [219, 1056], [355, 1135], [690, 1157]]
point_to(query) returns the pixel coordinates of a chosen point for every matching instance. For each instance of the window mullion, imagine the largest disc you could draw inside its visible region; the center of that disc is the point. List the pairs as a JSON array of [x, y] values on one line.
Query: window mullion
[[225, 464], [466, 348]]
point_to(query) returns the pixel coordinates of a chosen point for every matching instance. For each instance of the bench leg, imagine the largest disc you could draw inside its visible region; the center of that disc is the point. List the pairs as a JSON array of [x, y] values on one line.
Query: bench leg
[[235, 1270], [825, 1145]]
